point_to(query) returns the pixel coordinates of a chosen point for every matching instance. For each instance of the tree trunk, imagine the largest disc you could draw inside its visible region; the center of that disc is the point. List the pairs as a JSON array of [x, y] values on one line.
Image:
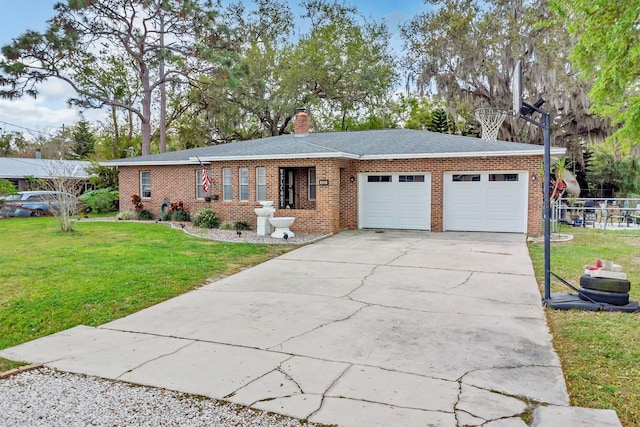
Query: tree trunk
[[163, 90], [145, 123], [145, 120], [116, 133]]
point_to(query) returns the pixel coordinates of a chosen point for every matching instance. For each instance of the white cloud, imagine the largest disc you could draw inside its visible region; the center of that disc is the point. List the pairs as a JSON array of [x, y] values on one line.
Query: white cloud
[[56, 89], [46, 113]]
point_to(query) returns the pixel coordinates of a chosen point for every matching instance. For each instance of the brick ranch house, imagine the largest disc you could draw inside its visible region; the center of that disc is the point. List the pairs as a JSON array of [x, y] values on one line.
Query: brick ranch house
[[394, 178]]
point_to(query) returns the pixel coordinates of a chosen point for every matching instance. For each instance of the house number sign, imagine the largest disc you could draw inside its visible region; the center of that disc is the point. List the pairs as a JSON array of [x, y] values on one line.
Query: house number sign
[[282, 188]]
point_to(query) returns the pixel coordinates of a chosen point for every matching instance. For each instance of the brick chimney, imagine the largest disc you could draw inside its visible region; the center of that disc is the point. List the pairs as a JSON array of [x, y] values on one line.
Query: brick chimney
[[301, 123]]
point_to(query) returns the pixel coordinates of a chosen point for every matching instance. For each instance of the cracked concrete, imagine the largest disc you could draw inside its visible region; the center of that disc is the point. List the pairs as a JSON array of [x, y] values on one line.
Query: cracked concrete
[[361, 329]]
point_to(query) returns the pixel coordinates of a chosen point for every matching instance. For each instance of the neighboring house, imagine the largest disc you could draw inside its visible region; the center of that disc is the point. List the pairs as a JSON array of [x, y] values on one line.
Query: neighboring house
[[15, 169], [395, 178]]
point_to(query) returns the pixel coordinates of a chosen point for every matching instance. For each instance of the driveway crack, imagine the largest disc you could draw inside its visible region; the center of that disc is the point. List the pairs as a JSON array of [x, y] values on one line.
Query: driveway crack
[[464, 282], [362, 282], [324, 395], [278, 347], [155, 358]]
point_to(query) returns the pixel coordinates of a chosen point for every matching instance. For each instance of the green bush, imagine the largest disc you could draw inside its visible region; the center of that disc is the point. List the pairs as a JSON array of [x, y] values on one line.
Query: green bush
[[100, 201], [226, 225], [166, 216], [181, 215], [206, 218], [242, 225], [7, 188], [145, 215], [126, 215]]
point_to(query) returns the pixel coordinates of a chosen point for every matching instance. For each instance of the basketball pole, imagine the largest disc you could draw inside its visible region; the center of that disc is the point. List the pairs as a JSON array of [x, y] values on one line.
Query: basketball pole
[[545, 125], [547, 206]]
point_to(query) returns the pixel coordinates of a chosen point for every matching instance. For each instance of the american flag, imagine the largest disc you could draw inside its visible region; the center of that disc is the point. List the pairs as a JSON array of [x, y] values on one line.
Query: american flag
[[206, 181]]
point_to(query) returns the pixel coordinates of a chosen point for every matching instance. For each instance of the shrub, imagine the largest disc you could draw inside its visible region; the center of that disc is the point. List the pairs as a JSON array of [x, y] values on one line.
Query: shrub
[[226, 225], [166, 216], [181, 215], [100, 201], [242, 225], [206, 218], [136, 201], [145, 215], [125, 215], [7, 188]]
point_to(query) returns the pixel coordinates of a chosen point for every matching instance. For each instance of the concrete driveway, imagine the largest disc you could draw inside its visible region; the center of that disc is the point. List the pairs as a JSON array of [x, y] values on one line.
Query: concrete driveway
[[364, 328]]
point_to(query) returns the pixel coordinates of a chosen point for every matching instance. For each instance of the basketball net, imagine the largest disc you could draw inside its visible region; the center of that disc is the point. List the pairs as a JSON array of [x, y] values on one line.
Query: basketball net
[[491, 119]]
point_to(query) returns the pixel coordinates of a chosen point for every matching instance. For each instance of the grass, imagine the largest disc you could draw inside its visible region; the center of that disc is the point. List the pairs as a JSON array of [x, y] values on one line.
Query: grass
[[600, 351], [51, 281]]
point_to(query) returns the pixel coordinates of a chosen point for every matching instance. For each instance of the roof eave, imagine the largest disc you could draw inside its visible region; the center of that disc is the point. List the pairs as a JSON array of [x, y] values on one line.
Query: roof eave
[[507, 153], [151, 163], [342, 155]]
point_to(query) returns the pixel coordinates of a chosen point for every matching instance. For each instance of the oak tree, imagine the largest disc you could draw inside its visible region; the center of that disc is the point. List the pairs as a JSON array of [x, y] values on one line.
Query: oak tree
[[464, 51]]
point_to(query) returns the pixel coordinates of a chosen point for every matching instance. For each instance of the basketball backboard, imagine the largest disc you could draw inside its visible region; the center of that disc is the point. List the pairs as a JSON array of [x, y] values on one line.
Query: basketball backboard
[[516, 89]]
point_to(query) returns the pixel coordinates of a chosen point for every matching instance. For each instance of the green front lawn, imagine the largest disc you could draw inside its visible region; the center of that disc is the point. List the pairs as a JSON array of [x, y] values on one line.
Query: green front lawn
[[600, 352], [51, 281]]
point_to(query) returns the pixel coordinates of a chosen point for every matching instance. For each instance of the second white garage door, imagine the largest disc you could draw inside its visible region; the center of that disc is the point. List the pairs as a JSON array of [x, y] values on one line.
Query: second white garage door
[[485, 201], [400, 201]]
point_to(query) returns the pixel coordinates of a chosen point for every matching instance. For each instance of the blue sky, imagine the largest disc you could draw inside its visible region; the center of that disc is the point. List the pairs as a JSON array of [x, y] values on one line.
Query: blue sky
[[49, 111]]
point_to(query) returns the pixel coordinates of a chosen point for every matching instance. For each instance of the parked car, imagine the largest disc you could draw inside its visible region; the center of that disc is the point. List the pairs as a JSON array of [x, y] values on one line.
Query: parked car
[[35, 203]]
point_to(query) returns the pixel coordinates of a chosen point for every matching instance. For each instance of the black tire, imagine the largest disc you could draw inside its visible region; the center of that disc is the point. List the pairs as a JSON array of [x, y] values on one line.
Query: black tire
[[620, 286], [612, 298]]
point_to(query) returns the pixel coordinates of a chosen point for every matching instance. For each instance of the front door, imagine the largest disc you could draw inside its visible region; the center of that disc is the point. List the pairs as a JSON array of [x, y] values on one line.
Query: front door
[[287, 188]]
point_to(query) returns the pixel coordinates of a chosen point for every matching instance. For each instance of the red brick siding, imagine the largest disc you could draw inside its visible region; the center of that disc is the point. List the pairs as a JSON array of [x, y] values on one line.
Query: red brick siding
[[336, 205]]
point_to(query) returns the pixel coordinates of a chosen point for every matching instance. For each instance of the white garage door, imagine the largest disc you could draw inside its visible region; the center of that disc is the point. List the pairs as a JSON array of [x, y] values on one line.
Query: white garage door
[[485, 201], [401, 201]]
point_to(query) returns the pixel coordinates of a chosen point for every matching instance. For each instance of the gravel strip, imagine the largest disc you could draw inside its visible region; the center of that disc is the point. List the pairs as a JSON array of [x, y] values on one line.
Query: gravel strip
[[45, 397], [248, 236], [245, 236]]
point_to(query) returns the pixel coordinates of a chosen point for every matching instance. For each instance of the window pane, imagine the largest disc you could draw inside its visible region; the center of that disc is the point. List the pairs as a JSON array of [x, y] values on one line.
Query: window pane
[[145, 184], [503, 177], [379, 178], [244, 184], [312, 183], [199, 191], [261, 184], [466, 178], [411, 178], [226, 184]]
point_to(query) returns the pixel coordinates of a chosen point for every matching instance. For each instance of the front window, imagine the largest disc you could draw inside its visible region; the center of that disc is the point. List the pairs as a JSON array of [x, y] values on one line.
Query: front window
[[261, 184], [145, 184], [312, 183], [244, 184], [226, 184], [199, 191]]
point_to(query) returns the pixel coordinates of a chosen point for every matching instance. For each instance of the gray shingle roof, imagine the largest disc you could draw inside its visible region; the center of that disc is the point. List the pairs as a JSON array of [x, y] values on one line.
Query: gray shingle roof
[[16, 168], [372, 144]]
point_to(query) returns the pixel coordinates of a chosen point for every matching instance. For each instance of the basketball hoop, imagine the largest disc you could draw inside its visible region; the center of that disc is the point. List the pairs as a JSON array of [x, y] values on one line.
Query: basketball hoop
[[491, 119]]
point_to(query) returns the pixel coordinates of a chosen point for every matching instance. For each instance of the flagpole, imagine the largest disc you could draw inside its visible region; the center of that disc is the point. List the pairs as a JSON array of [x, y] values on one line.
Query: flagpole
[[206, 180]]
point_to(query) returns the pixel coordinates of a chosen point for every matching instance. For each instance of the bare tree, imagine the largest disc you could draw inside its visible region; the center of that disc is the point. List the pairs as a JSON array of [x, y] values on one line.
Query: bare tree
[[66, 180]]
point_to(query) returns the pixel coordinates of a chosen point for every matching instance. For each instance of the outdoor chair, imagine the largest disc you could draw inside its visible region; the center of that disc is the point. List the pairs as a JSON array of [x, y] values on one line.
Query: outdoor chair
[[589, 214], [613, 213], [633, 215]]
